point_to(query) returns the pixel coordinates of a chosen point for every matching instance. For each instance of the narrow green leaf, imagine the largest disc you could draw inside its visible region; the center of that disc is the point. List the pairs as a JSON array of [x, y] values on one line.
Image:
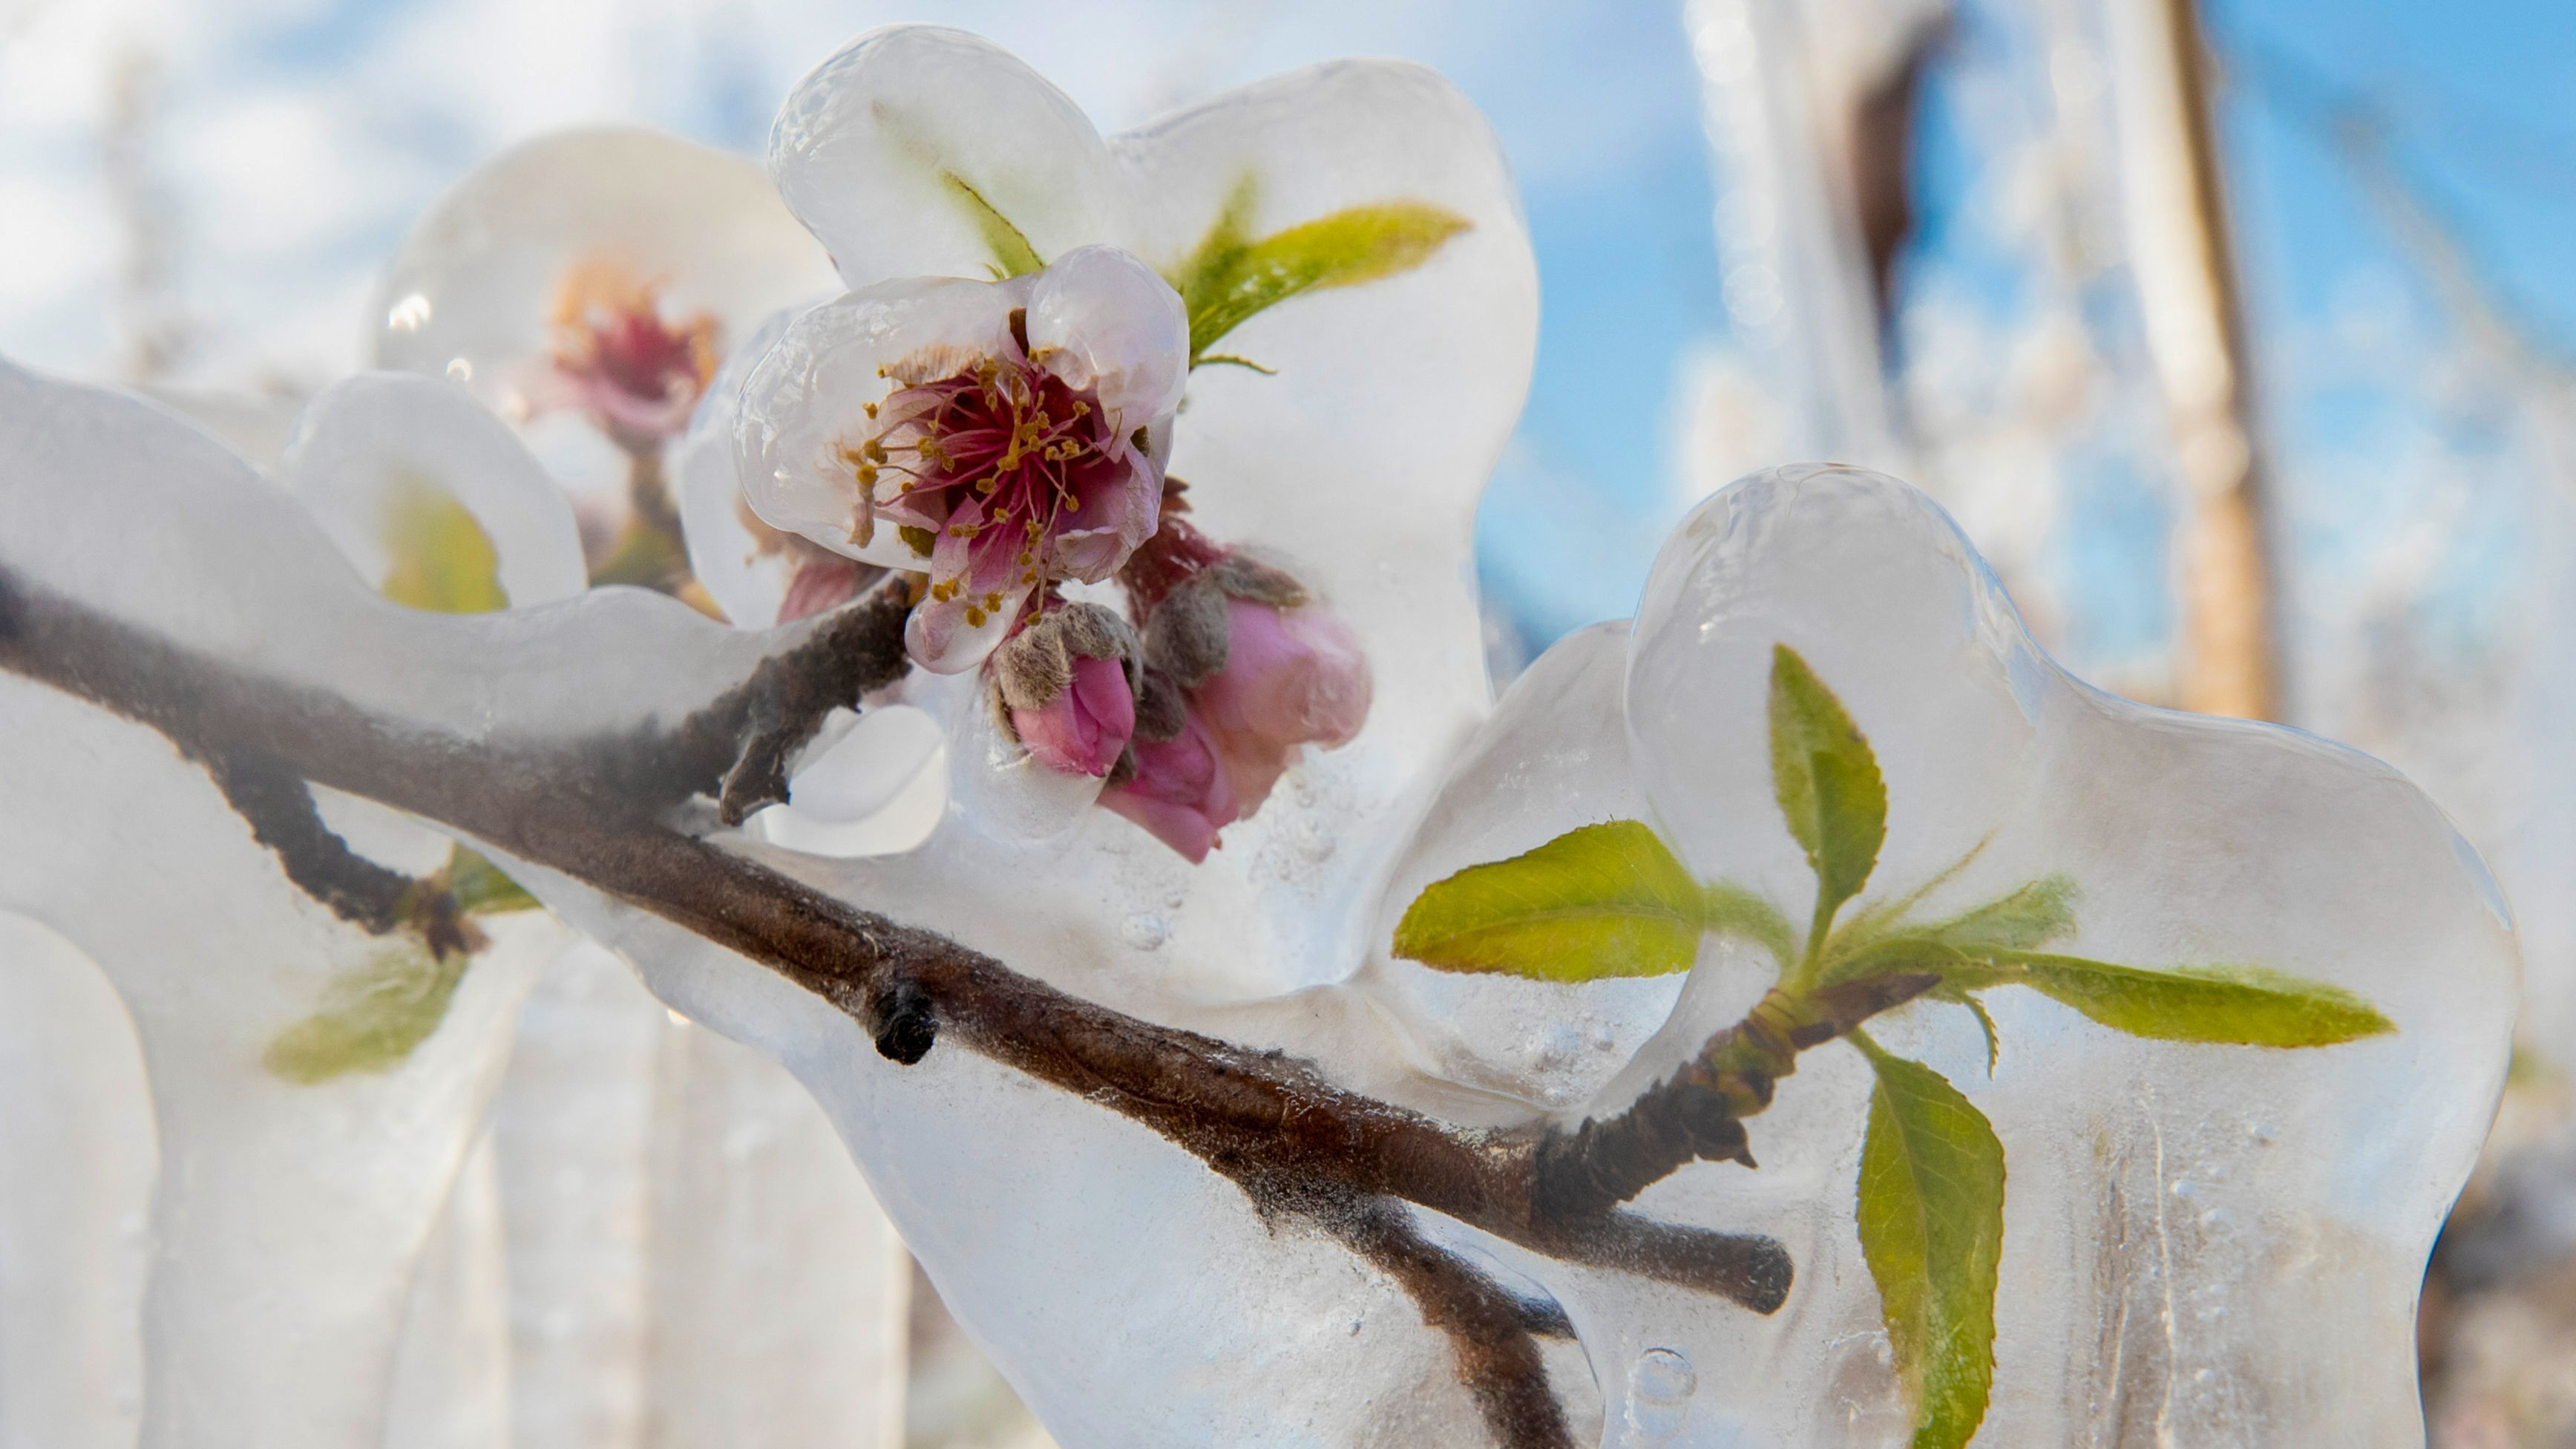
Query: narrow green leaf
[[2239, 1005], [1012, 254], [1231, 277], [1932, 1229], [480, 887], [2028, 918], [1827, 781], [369, 1019], [443, 561], [1602, 900], [1735, 911], [1985, 1023], [1966, 948]]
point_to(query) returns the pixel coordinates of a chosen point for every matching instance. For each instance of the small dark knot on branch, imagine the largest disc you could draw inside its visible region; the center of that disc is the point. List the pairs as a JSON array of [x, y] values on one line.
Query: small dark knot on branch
[[903, 1021]]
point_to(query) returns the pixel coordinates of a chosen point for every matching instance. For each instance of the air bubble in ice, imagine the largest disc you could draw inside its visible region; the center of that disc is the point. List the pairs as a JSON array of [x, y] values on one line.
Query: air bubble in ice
[[1660, 1385]]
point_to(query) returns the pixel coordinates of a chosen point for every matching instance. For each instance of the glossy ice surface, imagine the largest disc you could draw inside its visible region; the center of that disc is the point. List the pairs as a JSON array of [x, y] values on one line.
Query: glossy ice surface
[[2203, 1245]]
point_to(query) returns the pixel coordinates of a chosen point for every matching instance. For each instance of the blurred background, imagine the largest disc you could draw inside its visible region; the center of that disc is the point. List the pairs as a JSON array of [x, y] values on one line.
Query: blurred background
[[2241, 338]]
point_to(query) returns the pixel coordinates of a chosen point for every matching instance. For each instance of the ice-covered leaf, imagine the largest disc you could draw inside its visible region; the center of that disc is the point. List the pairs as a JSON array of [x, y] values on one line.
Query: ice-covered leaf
[[370, 1018], [1931, 1207], [1012, 254], [443, 561], [1738, 911], [1231, 277], [1604, 900], [1878, 940], [1826, 778], [481, 889], [2246, 1005], [2030, 917]]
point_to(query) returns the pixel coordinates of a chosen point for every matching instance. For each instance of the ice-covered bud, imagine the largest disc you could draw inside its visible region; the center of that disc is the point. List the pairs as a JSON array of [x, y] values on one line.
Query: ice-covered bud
[[616, 358], [1265, 666], [998, 436], [1179, 790], [1068, 682]]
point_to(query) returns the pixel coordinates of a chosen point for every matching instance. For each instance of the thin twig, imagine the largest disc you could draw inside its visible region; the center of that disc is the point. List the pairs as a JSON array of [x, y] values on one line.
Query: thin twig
[[1493, 1332], [600, 811]]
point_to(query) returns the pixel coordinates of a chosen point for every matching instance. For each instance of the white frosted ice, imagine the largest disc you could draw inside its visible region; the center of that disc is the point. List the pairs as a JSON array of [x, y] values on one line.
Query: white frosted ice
[[76, 1164], [2204, 1245]]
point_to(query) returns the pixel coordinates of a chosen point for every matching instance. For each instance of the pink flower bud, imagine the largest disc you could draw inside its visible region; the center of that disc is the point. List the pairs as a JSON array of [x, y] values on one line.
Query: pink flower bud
[[1292, 676], [1067, 681], [1179, 791], [1087, 726]]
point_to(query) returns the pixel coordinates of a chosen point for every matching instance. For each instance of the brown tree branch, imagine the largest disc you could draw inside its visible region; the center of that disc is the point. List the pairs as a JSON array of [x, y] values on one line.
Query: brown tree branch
[[600, 811], [1698, 1112], [1493, 1332]]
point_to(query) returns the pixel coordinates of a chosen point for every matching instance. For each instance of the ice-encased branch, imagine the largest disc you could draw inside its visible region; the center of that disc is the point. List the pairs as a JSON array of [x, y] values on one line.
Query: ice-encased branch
[[602, 810], [1698, 1112]]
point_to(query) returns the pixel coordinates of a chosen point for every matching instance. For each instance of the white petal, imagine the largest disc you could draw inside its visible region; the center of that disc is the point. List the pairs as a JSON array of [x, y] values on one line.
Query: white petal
[[471, 290], [745, 581], [1394, 397], [855, 776], [866, 145], [967, 644], [1114, 325], [366, 444], [808, 397]]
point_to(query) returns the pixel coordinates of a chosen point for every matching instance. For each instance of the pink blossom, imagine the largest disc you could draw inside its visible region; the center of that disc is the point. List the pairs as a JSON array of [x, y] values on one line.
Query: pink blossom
[[1087, 726], [1001, 475], [1292, 676], [1179, 791]]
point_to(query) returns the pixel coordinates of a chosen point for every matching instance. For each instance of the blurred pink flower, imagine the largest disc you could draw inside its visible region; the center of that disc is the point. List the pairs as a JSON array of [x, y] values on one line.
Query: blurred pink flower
[[637, 375]]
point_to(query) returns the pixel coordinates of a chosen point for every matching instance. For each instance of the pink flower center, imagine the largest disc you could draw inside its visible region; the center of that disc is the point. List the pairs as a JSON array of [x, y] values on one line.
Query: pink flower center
[[641, 356], [638, 373], [1002, 456]]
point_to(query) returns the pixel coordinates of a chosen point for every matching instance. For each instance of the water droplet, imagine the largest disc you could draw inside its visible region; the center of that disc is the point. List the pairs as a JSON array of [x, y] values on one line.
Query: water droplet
[[459, 370], [1660, 1385], [1307, 835], [1144, 931]]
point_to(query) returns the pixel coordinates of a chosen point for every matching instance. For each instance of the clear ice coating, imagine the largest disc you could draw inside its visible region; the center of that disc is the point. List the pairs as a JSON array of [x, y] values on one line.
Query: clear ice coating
[[2201, 1244]]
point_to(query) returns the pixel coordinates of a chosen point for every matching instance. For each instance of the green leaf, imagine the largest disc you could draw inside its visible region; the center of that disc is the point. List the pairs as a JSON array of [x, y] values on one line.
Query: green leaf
[[443, 561], [1827, 781], [1603, 900], [1932, 1230], [1735, 911], [480, 887], [1965, 947], [2030, 917], [1231, 277], [1012, 254], [2238, 1005], [1985, 1023], [369, 1019]]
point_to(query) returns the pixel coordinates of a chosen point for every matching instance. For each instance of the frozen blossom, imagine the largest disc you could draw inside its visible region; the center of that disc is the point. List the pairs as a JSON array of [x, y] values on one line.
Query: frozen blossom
[[2078, 1072], [1001, 436]]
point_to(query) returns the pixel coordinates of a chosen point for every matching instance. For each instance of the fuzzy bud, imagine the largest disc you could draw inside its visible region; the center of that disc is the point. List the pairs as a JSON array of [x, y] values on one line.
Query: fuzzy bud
[[1068, 683]]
